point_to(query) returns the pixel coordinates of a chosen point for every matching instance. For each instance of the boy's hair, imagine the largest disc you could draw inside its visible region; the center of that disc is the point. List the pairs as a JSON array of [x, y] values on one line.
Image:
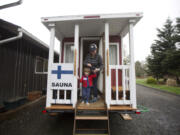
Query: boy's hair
[[87, 69]]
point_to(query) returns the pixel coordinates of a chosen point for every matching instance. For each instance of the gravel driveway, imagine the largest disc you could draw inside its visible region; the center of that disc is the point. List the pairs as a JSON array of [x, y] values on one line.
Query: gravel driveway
[[163, 118]]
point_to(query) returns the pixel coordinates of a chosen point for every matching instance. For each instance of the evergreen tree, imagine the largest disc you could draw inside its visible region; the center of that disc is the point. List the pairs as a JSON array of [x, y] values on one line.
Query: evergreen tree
[[177, 34], [178, 25], [172, 60], [160, 49]]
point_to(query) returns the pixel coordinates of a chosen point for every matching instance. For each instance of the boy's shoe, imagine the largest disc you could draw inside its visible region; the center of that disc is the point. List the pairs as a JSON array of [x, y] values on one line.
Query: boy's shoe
[[87, 103]]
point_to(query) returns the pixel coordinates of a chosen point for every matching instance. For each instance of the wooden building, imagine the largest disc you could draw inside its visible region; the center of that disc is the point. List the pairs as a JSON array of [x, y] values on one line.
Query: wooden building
[[23, 62]]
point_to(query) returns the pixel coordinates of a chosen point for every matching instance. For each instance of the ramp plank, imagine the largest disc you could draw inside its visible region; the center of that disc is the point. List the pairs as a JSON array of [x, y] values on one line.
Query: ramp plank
[[60, 107], [121, 107], [126, 116]]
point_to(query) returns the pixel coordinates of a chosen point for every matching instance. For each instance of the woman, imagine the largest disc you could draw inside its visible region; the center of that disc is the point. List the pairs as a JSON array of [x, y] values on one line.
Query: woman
[[94, 61]]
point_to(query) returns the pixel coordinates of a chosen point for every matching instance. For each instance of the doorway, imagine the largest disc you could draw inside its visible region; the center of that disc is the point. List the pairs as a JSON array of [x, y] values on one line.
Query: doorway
[[85, 42]]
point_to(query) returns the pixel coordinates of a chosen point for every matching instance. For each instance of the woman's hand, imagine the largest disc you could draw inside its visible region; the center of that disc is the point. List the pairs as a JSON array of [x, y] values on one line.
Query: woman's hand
[[96, 70], [89, 65]]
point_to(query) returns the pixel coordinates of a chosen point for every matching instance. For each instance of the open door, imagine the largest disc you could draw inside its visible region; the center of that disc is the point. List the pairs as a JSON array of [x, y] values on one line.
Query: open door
[[100, 80]]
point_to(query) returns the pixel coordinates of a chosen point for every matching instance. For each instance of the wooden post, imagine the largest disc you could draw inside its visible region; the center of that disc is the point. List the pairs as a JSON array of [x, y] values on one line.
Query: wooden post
[[76, 60], [123, 69], [107, 81], [132, 66], [50, 62], [107, 62], [60, 51]]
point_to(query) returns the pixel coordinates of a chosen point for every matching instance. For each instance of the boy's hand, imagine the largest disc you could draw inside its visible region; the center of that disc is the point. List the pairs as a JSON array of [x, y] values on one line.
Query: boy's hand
[[78, 77]]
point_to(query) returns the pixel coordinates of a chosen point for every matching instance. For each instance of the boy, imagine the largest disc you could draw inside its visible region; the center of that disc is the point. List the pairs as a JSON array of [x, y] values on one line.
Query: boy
[[87, 83]]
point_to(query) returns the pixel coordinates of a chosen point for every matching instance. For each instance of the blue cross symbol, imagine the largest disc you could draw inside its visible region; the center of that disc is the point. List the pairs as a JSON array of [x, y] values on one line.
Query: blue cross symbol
[[59, 72]]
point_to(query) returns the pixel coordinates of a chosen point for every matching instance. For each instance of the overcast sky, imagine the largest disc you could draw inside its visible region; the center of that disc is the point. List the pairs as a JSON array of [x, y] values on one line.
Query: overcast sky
[[155, 13]]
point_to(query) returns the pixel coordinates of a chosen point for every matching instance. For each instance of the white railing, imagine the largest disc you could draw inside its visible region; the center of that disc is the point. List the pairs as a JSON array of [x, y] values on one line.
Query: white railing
[[61, 84], [121, 89], [61, 97]]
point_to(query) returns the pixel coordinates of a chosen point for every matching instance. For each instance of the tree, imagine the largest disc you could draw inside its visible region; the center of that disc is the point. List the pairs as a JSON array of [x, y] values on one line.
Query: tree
[[172, 59], [177, 34], [161, 50], [178, 26], [172, 63], [154, 67], [140, 69]]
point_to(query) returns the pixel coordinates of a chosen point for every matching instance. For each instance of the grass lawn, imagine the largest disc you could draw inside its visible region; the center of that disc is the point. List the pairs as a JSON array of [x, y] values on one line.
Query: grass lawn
[[171, 89]]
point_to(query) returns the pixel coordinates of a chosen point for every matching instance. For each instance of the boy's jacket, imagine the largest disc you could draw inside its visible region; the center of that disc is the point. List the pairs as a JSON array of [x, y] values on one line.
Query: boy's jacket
[[83, 80]]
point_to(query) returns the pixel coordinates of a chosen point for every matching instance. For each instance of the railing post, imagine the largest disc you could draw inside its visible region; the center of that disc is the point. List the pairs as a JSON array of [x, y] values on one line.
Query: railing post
[[123, 83], [76, 58], [132, 65], [122, 51], [107, 77], [50, 62], [117, 87]]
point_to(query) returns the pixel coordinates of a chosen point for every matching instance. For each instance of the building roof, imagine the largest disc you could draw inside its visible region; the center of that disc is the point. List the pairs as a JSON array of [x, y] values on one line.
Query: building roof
[[8, 30], [91, 25]]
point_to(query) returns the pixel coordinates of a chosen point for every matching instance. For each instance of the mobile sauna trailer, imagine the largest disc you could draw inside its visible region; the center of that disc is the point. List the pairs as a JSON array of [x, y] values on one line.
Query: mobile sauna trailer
[[116, 82]]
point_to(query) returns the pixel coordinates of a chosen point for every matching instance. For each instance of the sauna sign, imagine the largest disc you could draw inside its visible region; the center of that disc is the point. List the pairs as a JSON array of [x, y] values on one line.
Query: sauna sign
[[62, 76]]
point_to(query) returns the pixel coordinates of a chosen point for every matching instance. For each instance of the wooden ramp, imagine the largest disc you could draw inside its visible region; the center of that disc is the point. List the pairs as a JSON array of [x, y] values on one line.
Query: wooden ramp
[[92, 119], [126, 117]]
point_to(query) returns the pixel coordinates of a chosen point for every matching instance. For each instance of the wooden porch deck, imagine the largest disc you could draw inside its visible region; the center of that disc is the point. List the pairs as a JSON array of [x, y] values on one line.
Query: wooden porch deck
[[99, 105]]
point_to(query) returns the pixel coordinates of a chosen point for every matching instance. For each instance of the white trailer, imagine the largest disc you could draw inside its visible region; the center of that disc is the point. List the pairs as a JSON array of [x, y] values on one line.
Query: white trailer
[[117, 83]]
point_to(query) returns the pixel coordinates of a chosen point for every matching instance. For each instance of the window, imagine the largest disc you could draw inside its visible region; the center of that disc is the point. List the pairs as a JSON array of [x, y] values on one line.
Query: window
[[41, 65], [113, 53], [45, 65], [69, 53]]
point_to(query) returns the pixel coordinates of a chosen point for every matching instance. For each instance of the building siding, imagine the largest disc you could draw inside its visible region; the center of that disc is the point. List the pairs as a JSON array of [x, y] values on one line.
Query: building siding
[[17, 69]]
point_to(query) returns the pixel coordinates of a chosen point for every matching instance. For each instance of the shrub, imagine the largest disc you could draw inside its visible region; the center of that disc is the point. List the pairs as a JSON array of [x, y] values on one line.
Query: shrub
[[151, 80], [161, 81]]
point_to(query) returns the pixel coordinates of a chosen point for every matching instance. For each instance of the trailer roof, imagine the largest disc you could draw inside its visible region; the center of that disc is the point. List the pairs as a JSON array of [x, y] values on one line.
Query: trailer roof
[[91, 25]]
